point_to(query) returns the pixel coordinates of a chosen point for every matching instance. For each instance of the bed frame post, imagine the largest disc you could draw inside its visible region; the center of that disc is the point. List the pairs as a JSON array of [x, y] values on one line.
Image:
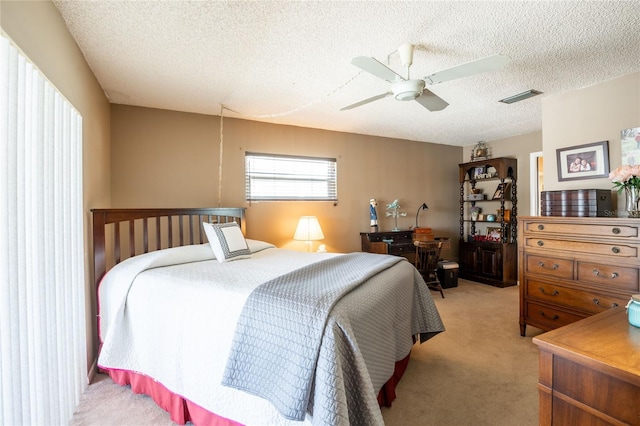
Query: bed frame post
[[99, 257]]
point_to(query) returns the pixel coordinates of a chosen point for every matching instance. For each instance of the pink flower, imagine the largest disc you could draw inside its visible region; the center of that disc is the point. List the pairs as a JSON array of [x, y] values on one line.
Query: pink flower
[[624, 173], [627, 176]]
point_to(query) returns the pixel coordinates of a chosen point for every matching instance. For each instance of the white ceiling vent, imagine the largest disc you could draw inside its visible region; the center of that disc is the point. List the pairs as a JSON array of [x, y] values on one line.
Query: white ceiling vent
[[520, 96]]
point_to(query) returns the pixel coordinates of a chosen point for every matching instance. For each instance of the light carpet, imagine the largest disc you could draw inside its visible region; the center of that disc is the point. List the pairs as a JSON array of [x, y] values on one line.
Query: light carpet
[[480, 371]]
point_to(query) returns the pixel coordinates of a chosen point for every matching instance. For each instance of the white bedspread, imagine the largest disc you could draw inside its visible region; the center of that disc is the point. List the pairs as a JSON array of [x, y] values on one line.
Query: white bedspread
[[174, 322]]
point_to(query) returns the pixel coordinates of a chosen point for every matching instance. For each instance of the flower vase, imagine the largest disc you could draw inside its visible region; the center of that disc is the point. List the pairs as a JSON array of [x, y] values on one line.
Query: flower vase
[[632, 201]]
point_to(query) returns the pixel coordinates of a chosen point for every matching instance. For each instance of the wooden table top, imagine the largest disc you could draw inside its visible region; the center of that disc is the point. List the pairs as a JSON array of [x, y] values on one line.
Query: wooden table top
[[605, 341]]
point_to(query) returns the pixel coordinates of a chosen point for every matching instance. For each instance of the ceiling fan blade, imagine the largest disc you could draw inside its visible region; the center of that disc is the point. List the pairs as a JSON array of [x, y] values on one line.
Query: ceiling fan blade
[[490, 63], [366, 101], [373, 66], [431, 101]]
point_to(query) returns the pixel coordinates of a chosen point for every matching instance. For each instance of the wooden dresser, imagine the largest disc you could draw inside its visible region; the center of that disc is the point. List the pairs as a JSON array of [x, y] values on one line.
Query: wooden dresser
[[573, 267], [590, 372]]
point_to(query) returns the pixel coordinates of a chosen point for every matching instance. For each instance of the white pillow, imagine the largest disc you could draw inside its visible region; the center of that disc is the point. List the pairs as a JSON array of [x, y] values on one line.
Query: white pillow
[[226, 241]]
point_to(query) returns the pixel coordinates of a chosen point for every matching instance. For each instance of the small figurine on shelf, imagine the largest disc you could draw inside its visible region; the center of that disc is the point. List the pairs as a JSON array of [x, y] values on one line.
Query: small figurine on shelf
[[373, 215], [479, 152], [394, 206], [475, 212]]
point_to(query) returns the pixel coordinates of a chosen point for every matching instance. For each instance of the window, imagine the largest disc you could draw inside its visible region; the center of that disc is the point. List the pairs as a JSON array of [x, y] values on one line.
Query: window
[[43, 350], [287, 177]]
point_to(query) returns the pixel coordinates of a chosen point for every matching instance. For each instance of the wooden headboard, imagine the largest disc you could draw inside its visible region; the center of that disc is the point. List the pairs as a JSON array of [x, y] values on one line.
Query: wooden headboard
[[122, 233]]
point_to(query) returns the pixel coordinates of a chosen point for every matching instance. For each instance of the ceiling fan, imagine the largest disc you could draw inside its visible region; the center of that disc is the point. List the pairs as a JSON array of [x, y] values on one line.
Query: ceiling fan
[[407, 89]]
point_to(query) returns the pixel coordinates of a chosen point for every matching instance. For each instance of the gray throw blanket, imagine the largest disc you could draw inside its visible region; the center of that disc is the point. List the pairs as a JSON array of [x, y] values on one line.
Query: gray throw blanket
[[278, 335]]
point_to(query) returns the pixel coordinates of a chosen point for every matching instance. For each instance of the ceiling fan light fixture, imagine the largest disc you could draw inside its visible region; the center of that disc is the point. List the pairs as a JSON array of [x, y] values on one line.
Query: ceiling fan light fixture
[[406, 54], [407, 90], [520, 96]]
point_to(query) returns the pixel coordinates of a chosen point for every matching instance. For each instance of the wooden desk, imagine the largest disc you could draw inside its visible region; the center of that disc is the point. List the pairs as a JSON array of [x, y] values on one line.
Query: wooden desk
[[590, 372], [397, 243]]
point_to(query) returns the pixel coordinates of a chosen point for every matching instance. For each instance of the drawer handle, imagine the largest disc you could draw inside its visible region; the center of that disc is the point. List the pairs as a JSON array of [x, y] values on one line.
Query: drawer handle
[[597, 274], [555, 292], [554, 317], [616, 230], [614, 305], [615, 249], [553, 267], [540, 227], [540, 243], [596, 302]]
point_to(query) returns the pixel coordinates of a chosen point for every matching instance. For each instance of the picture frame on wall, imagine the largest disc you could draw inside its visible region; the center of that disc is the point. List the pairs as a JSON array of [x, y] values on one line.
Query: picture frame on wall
[[588, 161], [630, 146]]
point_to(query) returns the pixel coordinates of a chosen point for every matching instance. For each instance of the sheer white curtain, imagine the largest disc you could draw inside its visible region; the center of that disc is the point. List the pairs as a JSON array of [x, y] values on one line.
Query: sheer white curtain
[[43, 365]]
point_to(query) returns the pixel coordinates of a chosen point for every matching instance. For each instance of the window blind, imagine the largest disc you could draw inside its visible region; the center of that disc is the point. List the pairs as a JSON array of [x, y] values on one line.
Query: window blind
[[43, 362], [271, 177]]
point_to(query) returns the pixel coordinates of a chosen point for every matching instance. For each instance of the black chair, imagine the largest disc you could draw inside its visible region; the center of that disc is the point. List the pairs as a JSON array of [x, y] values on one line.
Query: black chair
[[427, 256]]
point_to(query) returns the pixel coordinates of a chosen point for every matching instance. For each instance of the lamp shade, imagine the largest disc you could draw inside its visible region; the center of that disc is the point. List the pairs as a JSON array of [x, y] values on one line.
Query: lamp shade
[[308, 229]]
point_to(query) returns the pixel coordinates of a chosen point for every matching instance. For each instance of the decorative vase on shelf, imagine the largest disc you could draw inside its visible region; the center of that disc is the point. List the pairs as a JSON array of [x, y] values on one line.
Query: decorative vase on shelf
[[474, 213], [632, 200]]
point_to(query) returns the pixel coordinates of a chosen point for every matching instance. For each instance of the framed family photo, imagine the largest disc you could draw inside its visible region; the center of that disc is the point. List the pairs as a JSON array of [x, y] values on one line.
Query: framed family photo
[[587, 161]]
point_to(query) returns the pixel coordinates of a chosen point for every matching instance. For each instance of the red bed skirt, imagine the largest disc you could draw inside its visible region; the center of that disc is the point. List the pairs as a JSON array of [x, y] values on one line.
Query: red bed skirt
[[182, 410]]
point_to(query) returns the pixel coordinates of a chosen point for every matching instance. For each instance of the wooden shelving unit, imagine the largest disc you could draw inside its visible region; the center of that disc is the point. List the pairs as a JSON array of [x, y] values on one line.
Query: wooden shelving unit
[[481, 259]]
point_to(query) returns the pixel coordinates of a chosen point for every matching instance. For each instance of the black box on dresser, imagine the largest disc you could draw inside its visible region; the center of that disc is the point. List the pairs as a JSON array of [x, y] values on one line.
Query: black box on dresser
[[576, 203]]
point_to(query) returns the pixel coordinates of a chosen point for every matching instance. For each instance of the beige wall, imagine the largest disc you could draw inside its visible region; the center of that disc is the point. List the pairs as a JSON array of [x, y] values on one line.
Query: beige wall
[[518, 147], [593, 114], [39, 31], [167, 159]]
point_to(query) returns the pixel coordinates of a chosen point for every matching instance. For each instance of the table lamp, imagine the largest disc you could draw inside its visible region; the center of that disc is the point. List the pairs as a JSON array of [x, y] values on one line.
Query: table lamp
[[308, 230], [422, 207]]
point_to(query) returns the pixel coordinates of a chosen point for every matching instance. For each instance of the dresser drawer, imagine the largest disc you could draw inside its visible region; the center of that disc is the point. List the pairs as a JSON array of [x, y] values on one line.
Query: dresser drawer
[[568, 412], [628, 251], [577, 229], [549, 266], [401, 249], [580, 300], [551, 317], [609, 276], [580, 387]]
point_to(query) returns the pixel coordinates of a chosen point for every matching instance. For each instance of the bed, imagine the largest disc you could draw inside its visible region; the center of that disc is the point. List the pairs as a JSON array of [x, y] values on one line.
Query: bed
[[272, 336]]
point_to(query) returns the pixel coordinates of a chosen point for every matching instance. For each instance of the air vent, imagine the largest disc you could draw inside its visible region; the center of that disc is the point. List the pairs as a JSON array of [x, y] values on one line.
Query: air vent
[[520, 96]]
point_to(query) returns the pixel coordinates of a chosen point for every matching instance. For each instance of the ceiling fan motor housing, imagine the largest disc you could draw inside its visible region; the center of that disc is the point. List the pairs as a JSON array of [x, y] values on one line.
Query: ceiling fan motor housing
[[407, 90]]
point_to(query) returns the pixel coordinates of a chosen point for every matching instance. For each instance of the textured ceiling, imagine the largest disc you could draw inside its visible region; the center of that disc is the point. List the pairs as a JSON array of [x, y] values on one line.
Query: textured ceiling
[[288, 62]]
